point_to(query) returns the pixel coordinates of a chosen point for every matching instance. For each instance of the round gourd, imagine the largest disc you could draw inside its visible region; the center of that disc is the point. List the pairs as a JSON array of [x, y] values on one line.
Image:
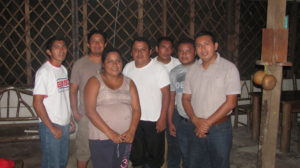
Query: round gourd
[[269, 82], [258, 77]]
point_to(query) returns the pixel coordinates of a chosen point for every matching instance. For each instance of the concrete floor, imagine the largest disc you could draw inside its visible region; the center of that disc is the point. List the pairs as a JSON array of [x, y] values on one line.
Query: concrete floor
[[244, 152]]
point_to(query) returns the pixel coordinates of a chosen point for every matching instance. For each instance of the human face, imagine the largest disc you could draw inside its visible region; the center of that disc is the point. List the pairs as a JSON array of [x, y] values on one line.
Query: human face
[[164, 50], [206, 49], [140, 53], [113, 64], [186, 53], [96, 44], [57, 52]]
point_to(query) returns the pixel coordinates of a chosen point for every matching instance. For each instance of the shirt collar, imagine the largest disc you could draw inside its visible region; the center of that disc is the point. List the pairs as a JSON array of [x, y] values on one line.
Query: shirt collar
[[216, 62]]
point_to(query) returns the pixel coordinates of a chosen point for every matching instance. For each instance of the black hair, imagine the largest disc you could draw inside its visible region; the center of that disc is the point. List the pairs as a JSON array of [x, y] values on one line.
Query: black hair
[[206, 33], [186, 41], [164, 38], [109, 50], [52, 40], [96, 32], [141, 39]]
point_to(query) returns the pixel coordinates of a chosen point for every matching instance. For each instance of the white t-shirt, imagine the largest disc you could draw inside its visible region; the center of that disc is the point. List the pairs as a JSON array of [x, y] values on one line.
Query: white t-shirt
[[172, 64], [52, 82], [149, 80]]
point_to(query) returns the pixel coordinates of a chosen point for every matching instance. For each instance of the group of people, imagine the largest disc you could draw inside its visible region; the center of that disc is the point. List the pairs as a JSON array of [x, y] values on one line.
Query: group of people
[[124, 114]]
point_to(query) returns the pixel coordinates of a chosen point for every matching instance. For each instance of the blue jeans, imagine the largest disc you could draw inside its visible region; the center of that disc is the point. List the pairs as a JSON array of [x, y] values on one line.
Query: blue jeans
[[212, 151], [174, 153], [54, 151], [184, 135]]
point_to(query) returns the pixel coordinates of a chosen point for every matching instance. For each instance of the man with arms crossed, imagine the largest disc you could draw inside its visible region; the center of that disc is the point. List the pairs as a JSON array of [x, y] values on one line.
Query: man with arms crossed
[[179, 123], [210, 93], [83, 69], [153, 85], [52, 105]]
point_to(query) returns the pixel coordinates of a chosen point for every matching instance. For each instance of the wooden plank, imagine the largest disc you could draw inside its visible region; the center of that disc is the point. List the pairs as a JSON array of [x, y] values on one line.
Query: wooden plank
[[19, 138], [281, 45], [267, 45]]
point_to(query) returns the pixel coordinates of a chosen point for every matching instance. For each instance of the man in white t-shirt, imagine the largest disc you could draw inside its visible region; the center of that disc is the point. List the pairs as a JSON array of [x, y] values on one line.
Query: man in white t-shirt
[[153, 85], [164, 49], [52, 105]]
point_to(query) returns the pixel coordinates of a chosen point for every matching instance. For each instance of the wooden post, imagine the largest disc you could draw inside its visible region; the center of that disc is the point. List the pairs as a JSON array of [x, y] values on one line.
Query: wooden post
[[271, 98], [140, 24], [237, 30], [192, 19], [85, 28], [255, 116], [28, 44], [75, 31], [165, 15]]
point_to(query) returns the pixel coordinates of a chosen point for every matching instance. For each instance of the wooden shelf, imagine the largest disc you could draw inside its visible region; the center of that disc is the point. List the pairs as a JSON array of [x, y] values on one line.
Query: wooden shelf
[[259, 62]]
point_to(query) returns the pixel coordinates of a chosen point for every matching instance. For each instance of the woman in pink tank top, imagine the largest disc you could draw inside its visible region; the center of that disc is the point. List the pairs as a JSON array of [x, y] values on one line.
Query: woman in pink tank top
[[112, 105]]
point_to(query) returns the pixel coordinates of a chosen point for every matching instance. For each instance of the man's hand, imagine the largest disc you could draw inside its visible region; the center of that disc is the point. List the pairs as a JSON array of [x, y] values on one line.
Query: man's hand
[[72, 126], [127, 136], [202, 126], [160, 125], [77, 116], [115, 137], [172, 129], [56, 131]]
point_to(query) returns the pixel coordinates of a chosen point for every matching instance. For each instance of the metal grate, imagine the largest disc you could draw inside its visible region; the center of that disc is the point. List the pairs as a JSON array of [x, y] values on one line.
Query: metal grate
[[26, 26]]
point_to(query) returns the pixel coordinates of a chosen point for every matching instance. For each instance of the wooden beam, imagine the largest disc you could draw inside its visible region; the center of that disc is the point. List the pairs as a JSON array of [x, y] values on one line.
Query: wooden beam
[[271, 98], [164, 17], [140, 24], [84, 27], [28, 44], [192, 19], [75, 31]]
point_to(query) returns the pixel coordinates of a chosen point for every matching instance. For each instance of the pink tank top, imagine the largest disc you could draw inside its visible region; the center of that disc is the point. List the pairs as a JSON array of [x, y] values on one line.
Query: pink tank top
[[114, 107]]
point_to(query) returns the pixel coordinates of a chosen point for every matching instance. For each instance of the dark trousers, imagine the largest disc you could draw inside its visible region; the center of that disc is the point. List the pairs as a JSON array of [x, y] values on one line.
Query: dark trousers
[[184, 134], [174, 154], [107, 154], [148, 147], [212, 151]]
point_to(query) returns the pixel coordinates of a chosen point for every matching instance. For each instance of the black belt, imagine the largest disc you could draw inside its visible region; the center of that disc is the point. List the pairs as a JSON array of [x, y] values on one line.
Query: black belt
[[182, 118]]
